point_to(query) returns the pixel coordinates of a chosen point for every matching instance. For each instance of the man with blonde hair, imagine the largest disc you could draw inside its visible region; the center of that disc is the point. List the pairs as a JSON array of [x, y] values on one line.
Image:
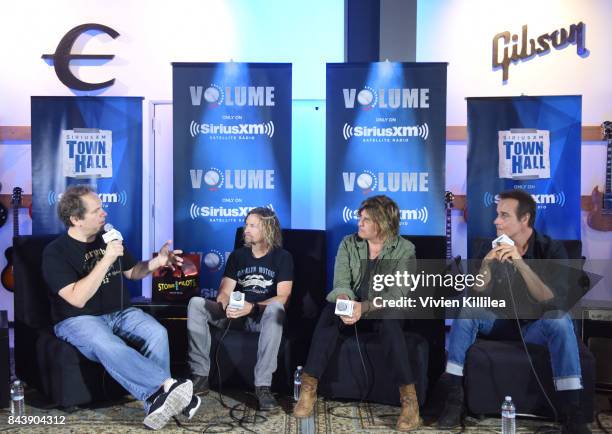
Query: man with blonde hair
[[263, 271]]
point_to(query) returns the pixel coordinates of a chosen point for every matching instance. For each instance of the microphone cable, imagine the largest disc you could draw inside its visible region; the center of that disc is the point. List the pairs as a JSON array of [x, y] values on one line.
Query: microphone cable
[[211, 424], [241, 421], [529, 359], [365, 390], [229, 426]]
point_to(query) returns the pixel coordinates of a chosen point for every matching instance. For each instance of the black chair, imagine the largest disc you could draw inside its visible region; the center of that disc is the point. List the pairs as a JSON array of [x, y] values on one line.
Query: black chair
[[237, 354], [344, 377], [494, 369], [54, 367]]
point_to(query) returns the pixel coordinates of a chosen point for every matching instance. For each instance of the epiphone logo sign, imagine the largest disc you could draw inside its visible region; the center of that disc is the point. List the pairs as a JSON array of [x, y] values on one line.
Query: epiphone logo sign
[[63, 55], [510, 48]]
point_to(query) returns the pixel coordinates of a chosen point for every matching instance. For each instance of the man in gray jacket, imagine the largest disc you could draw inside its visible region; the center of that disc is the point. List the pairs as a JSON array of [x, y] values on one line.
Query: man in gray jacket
[[376, 248]]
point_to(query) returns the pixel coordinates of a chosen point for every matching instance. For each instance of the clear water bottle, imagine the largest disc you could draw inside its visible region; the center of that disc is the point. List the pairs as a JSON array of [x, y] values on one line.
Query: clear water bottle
[[17, 399], [508, 416], [297, 383]]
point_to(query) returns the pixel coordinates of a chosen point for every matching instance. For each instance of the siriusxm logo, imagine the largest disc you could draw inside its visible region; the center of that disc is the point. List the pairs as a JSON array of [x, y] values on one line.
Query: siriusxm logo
[[367, 181], [421, 214], [223, 129], [220, 212], [106, 198], [556, 199], [239, 96], [421, 131], [233, 179], [394, 98]]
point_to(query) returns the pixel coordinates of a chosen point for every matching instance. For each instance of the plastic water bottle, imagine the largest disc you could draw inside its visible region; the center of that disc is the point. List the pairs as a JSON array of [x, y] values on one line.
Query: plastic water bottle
[[17, 399], [508, 416], [297, 383]]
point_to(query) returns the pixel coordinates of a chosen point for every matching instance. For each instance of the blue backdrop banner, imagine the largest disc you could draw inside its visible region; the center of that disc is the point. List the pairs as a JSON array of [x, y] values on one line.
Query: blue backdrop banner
[[232, 152], [386, 134], [531, 143], [95, 141]]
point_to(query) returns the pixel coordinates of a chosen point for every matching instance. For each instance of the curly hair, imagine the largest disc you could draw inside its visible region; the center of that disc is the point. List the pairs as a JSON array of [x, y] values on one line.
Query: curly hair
[[385, 214], [270, 226], [71, 205]]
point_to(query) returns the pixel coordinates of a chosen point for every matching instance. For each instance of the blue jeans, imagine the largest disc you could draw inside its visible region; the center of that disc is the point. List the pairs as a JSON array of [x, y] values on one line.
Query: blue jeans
[[555, 330], [102, 339]]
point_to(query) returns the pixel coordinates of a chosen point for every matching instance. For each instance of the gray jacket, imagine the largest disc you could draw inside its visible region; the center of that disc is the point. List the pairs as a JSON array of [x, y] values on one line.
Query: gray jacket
[[397, 254]]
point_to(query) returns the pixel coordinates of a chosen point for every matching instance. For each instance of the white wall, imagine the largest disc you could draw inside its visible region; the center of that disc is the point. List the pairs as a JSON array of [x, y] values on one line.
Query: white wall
[[461, 32], [156, 33]]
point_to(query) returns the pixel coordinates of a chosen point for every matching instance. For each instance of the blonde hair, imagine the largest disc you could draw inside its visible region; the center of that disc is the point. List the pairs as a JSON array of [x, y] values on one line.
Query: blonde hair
[[270, 227], [385, 214]]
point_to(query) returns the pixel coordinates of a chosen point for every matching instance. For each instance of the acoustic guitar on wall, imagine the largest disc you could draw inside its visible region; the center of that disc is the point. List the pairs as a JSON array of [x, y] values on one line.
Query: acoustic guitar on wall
[[600, 216], [8, 279]]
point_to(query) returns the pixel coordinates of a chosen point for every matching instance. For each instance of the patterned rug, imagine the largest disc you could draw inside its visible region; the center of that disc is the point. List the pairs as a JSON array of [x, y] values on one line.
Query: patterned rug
[[237, 414]]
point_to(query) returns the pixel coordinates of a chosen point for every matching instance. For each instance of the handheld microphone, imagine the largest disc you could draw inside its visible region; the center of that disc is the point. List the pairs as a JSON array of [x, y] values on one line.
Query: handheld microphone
[[344, 307], [236, 300], [111, 234], [502, 239]]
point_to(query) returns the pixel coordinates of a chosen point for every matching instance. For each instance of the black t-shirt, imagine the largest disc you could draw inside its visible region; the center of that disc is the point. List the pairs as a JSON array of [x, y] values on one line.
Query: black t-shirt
[[366, 281], [66, 260], [258, 277]]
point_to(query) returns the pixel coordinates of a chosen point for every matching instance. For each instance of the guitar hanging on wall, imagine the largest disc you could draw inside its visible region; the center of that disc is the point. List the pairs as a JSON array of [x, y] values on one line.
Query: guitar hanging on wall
[[453, 262], [448, 205], [3, 212], [600, 216], [8, 279]]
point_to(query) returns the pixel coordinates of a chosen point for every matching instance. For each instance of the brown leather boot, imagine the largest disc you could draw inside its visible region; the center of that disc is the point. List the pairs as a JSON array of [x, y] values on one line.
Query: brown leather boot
[[308, 396], [409, 418]]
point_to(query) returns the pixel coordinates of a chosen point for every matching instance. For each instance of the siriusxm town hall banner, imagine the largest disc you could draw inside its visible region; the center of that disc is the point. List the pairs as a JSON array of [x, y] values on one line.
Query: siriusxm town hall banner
[[232, 152], [386, 134], [532, 143], [89, 140]]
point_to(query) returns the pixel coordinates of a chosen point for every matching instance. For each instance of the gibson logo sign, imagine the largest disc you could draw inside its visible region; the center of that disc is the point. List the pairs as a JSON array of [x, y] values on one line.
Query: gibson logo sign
[[63, 55], [515, 50]]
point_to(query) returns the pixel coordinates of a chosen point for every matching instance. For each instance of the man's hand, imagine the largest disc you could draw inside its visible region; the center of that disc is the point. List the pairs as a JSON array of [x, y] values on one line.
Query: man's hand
[[232, 313], [114, 249], [507, 253], [168, 258], [356, 316], [503, 253]]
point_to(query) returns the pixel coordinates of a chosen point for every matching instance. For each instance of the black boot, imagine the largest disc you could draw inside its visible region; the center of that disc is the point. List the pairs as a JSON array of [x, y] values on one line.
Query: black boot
[[575, 422], [453, 407], [265, 399], [572, 417]]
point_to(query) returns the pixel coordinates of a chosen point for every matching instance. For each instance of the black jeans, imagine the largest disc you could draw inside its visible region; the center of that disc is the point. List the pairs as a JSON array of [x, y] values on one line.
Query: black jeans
[[330, 326]]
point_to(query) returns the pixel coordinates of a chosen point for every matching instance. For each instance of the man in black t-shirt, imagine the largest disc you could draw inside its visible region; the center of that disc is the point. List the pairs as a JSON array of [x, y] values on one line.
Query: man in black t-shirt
[[91, 309], [263, 272]]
